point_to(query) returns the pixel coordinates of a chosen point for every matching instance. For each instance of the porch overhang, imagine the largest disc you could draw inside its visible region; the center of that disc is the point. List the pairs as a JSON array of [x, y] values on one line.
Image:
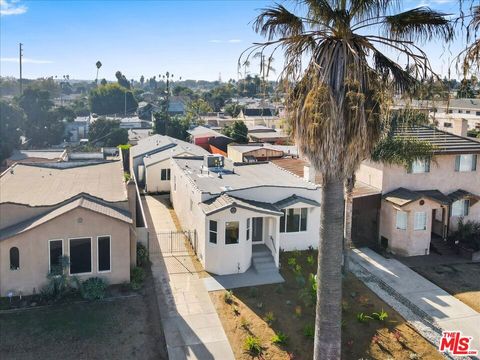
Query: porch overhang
[[293, 200], [463, 194], [225, 201], [402, 196]]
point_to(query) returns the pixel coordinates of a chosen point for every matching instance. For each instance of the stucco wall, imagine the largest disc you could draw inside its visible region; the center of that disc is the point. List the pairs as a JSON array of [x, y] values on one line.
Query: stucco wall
[[33, 248], [153, 182], [407, 242], [370, 173]]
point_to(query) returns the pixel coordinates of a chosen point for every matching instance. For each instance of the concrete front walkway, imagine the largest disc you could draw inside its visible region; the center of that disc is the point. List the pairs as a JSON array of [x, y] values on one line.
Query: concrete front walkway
[[447, 312], [190, 323]]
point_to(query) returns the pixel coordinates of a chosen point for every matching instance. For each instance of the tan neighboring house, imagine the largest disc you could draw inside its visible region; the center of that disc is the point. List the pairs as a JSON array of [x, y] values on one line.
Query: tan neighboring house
[[37, 156], [426, 201], [82, 210]]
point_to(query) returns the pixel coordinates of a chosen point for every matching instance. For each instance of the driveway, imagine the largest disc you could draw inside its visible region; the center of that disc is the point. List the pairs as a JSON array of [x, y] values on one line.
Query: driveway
[[448, 313], [190, 322]]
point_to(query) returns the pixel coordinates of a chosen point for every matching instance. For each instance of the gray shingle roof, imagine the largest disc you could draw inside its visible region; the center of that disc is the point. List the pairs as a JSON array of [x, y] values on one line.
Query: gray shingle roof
[[462, 194], [445, 142], [180, 148], [294, 199], [81, 202], [225, 201], [402, 196], [154, 143]]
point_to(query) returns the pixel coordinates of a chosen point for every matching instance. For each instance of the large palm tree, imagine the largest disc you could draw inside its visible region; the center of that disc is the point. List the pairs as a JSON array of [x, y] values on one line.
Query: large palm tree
[[471, 55], [336, 73]]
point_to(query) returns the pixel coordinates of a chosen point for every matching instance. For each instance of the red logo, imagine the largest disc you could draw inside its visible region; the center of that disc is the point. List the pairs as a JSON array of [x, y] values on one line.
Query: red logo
[[455, 343]]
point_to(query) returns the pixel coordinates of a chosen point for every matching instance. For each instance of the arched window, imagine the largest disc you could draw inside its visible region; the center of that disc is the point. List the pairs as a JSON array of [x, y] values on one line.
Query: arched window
[[14, 258]]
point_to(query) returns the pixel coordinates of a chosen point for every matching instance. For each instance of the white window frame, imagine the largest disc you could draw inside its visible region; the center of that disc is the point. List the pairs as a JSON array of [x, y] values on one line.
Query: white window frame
[[424, 225], [212, 231], [465, 206], [110, 250], [167, 174], [91, 255], [422, 166], [469, 163], [405, 214], [49, 260], [285, 216], [225, 232]]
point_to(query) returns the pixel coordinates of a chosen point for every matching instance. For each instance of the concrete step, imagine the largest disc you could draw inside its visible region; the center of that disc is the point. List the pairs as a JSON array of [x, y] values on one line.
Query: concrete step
[[261, 253], [265, 267], [262, 260]]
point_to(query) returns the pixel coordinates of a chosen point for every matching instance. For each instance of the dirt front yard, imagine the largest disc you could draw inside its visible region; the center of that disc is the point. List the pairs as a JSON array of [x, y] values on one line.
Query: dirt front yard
[[286, 310], [124, 328], [460, 280]]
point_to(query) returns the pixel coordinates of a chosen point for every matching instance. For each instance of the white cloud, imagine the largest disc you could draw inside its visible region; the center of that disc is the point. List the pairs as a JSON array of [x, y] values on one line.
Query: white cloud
[[25, 60], [12, 7]]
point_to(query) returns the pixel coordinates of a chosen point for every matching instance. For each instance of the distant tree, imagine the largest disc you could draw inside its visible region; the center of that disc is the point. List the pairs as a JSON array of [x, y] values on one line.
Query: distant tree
[[122, 80], [175, 126], [12, 119], [80, 107], [66, 113], [142, 80], [233, 109], [467, 88], [110, 99], [107, 132], [98, 64], [44, 125], [197, 108], [103, 82], [184, 91], [238, 131]]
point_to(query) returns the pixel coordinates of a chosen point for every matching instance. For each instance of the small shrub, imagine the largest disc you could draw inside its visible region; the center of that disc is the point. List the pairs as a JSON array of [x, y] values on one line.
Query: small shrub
[[60, 285], [292, 262], [279, 339], [142, 255], [310, 260], [252, 345], [93, 288], [380, 316], [296, 253], [253, 292], [244, 323], [126, 176], [236, 311], [269, 317], [309, 293], [297, 270], [137, 276], [309, 331], [362, 318], [228, 296], [298, 311]]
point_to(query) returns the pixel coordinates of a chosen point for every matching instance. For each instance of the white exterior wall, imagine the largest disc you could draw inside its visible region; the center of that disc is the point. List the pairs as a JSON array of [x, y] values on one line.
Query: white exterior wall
[[153, 180]]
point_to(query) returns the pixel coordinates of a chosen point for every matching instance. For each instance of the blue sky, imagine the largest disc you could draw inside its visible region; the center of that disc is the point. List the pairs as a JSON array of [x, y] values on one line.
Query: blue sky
[[191, 39]]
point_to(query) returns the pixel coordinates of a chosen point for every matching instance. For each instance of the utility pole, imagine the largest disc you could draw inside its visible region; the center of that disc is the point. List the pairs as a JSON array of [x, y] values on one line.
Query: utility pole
[[20, 58]]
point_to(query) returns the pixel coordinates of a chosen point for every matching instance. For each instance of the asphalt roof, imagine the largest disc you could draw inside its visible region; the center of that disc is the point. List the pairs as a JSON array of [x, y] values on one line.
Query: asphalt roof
[[225, 201], [473, 104], [444, 142], [49, 154], [220, 142], [402, 196], [77, 203], [152, 143], [182, 147], [202, 130], [294, 199], [238, 176], [45, 184]]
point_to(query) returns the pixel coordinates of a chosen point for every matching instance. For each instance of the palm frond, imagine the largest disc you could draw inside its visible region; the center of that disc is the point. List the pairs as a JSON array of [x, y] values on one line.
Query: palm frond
[[420, 23], [402, 79], [361, 10], [277, 21]]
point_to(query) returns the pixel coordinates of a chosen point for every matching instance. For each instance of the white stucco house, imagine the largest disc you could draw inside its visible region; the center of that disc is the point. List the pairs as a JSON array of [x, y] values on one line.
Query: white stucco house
[[243, 213], [150, 160]]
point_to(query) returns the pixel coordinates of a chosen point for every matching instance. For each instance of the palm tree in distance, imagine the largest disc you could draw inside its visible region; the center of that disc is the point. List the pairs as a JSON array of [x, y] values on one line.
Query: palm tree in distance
[[336, 103], [98, 64]]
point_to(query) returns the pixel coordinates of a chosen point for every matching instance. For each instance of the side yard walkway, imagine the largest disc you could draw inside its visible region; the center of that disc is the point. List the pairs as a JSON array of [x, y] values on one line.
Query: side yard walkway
[[190, 322], [427, 303]]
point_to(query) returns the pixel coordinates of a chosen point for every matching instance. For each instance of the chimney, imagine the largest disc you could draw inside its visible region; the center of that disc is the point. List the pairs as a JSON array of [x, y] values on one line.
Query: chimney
[[460, 127], [309, 173]]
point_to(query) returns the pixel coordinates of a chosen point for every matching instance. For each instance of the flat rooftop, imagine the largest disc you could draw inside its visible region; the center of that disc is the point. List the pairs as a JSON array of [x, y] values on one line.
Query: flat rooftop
[[236, 177], [45, 184]]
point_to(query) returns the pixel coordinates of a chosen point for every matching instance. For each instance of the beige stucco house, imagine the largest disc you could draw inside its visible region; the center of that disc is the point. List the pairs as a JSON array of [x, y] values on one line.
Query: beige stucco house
[[427, 199], [82, 210]]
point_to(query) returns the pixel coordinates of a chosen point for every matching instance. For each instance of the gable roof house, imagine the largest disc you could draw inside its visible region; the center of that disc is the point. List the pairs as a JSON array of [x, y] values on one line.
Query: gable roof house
[[150, 160], [423, 203], [243, 213], [83, 210]]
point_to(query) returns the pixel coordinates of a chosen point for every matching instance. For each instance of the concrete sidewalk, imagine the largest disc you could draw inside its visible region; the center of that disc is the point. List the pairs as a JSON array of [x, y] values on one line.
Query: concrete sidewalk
[[190, 322], [445, 310]]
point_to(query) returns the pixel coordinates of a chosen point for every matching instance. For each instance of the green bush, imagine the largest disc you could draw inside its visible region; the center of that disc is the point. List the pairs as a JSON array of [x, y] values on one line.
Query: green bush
[[280, 338], [363, 318], [310, 260], [137, 276], [292, 262], [59, 283], [252, 345], [309, 293], [228, 297], [309, 331], [126, 176], [380, 316], [93, 288], [269, 317], [142, 255]]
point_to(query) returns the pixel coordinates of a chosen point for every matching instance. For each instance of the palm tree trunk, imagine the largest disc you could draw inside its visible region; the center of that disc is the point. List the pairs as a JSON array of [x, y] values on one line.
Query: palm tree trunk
[[327, 343], [348, 221]]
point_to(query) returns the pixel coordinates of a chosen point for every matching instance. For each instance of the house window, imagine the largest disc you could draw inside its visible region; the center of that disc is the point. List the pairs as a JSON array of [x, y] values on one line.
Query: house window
[[467, 112], [401, 220], [55, 253], [460, 111], [420, 166], [420, 221], [232, 232], [248, 229], [447, 124], [80, 256], [460, 207], [165, 174], [104, 253], [213, 231], [294, 220], [466, 162], [14, 258], [477, 113], [450, 111]]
